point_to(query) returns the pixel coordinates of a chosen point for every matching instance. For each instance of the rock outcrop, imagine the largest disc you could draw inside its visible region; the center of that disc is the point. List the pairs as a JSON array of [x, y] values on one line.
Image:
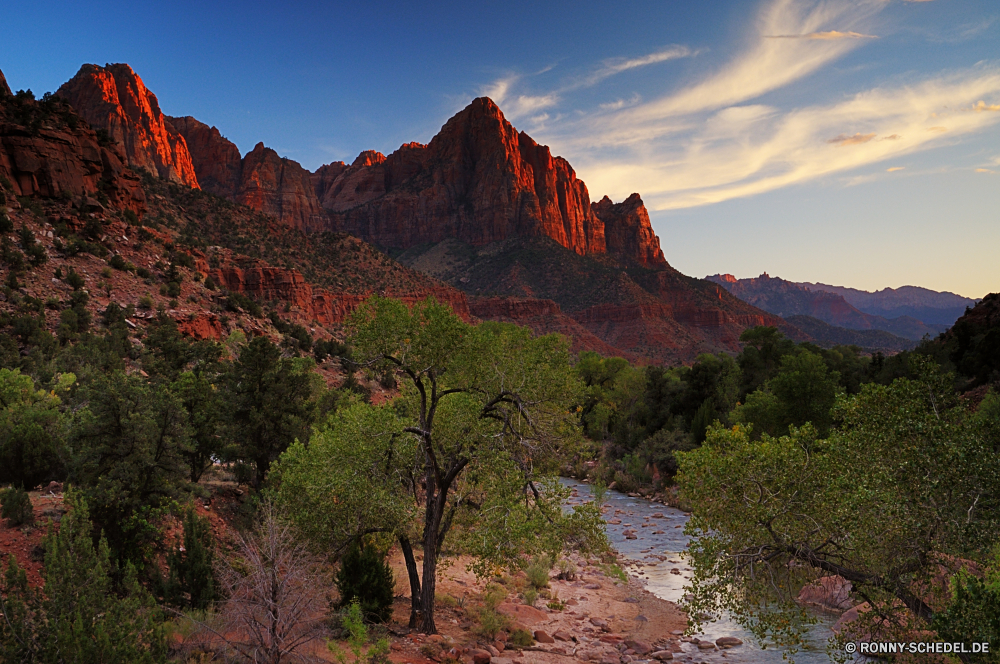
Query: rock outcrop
[[114, 98], [4, 88], [47, 150], [217, 162], [627, 230], [280, 187], [478, 181]]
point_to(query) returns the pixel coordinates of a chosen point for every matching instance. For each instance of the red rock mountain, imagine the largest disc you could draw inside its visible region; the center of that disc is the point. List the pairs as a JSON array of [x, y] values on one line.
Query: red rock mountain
[[47, 150], [478, 181], [114, 98], [4, 88]]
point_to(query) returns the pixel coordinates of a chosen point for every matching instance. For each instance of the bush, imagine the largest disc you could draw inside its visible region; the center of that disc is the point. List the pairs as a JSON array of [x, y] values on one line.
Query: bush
[[365, 576], [538, 571], [521, 637], [74, 280], [143, 273], [120, 263], [17, 507]]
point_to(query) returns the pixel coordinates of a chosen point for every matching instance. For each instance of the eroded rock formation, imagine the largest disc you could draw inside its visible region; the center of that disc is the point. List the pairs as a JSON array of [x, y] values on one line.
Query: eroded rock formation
[[217, 162], [45, 149], [114, 98]]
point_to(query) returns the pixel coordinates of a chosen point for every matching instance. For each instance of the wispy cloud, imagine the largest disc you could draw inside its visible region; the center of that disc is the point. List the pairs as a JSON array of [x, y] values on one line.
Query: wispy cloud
[[619, 65], [893, 169], [857, 139], [985, 170], [828, 35], [517, 105], [714, 140]]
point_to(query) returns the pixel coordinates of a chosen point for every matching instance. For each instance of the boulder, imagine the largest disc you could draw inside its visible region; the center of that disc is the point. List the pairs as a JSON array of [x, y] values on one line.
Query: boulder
[[728, 642], [662, 655], [640, 647], [527, 615], [480, 656], [543, 637]]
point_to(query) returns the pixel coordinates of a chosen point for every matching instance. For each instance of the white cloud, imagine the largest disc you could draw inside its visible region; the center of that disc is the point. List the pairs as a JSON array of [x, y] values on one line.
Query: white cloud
[[828, 35]]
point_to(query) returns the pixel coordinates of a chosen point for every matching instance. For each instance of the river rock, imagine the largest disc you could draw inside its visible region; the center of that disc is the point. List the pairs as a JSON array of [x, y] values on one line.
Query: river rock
[[640, 647], [728, 642], [662, 655], [706, 645], [480, 656]]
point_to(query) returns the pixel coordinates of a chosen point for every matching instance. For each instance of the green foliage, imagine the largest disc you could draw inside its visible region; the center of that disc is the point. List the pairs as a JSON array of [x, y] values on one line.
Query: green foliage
[[119, 263], [773, 514], [973, 614], [74, 280], [521, 637], [82, 617], [270, 405], [16, 507], [190, 582], [237, 302], [129, 447], [538, 571], [32, 430], [352, 619], [365, 579]]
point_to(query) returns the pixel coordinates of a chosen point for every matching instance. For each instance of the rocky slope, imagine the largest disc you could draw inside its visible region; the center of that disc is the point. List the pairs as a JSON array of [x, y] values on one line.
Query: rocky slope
[[786, 298], [928, 306], [870, 341], [47, 150], [113, 98]]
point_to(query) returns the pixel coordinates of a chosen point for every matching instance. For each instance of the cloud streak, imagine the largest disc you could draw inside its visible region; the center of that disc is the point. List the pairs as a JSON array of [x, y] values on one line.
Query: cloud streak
[[828, 35]]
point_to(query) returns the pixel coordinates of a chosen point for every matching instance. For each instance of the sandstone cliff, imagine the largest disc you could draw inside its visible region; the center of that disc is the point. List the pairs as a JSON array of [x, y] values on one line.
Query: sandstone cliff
[[114, 98], [4, 88], [478, 181], [280, 187], [216, 160], [627, 230], [47, 150]]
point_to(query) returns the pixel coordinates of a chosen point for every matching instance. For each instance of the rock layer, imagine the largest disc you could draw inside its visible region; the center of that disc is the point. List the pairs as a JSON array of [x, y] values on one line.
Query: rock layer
[[46, 150], [114, 98]]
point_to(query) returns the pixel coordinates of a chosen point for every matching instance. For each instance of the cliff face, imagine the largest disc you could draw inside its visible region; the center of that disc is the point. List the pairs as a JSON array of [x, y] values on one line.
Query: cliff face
[[627, 230], [114, 98], [216, 160], [47, 150], [280, 187], [478, 181], [4, 88]]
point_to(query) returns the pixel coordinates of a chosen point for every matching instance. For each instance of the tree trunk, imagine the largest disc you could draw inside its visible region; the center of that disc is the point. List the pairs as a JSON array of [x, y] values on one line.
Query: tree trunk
[[432, 522], [411, 571]]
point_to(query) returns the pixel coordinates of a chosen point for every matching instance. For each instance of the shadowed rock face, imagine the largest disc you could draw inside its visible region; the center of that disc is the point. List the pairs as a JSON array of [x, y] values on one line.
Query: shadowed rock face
[[217, 162], [114, 98], [4, 88], [280, 187], [47, 150], [627, 230]]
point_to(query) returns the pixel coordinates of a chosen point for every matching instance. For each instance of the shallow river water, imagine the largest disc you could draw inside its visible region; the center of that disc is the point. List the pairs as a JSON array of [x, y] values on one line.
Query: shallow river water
[[632, 513]]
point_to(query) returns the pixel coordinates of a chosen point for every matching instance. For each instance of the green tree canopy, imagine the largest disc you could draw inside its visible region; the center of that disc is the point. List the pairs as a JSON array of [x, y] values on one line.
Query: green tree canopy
[[483, 415], [908, 478]]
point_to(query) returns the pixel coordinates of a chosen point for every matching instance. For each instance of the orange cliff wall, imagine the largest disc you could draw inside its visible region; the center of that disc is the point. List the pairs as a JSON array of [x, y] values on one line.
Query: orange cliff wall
[[114, 98]]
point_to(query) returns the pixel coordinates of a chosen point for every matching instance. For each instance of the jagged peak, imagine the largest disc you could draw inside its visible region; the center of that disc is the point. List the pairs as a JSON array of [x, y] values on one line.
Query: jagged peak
[[369, 158], [4, 88]]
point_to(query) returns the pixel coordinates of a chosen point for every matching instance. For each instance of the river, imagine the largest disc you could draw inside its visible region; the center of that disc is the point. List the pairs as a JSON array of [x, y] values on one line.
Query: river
[[644, 552]]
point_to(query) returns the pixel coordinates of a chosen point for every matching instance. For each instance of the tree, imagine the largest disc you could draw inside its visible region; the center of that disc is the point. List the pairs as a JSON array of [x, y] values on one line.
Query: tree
[[190, 581], [274, 590], [32, 430], [82, 617], [130, 444], [489, 408], [269, 402], [203, 402], [907, 480]]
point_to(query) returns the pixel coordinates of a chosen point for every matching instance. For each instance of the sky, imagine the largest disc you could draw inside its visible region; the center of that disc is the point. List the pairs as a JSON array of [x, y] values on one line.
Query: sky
[[850, 142]]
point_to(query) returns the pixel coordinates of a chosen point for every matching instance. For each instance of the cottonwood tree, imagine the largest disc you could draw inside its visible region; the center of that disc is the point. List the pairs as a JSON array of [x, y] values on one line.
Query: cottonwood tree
[[483, 415], [907, 482]]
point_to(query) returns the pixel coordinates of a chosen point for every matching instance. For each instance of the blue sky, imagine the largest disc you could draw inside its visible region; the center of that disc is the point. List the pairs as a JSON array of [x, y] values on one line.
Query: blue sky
[[854, 142]]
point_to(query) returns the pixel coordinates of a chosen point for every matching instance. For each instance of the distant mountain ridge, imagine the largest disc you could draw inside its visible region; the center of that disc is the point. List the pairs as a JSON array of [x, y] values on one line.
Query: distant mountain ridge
[[931, 307], [786, 298]]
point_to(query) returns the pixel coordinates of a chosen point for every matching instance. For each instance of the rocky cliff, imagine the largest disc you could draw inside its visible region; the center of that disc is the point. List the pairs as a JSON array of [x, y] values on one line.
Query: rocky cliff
[[627, 231], [113, 98], [4, 88], [47, 150], [479, 181], [216, 160], [281, 188]]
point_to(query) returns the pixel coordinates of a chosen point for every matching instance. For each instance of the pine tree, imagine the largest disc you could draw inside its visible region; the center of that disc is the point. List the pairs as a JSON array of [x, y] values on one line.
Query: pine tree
[[190, 582], [366, 578]]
